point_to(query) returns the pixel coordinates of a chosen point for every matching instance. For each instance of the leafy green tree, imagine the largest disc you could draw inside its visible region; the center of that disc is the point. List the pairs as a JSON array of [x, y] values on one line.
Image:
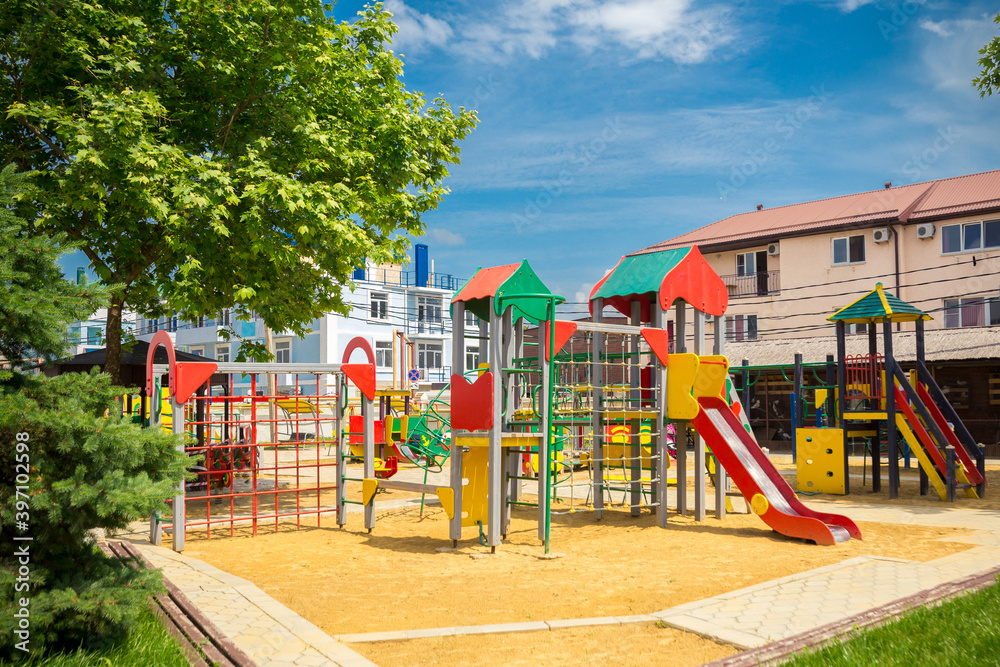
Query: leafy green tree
[[989, 78], [65, 466], [212, 153]]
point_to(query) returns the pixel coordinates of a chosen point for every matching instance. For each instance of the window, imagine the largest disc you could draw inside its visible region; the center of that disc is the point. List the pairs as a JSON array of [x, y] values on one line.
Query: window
[[428, 313], [471, 357], [222, 353], [470, 319], [854, 328], [970, 236], [746, 263], [379, 305], [201, 321], [154, 325], [429, 355], [225, 317], [971, 312], [849, 250], [283, 351], [741, 327], [200, 351], [383, 354]]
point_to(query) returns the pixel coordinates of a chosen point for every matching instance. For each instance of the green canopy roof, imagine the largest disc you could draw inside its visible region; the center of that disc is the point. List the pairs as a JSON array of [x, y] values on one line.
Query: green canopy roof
[[878, 306], [639, 274]]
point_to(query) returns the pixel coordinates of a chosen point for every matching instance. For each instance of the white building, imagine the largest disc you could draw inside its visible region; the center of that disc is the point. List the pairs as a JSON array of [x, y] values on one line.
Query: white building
[[387, 300], [89, 335]]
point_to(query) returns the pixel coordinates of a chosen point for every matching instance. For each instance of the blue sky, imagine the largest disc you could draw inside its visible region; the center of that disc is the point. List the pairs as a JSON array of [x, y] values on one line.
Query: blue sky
[[609, 126]]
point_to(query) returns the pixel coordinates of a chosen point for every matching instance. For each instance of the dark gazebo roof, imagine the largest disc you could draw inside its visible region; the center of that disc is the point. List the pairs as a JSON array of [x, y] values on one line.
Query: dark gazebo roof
[[133, 362]]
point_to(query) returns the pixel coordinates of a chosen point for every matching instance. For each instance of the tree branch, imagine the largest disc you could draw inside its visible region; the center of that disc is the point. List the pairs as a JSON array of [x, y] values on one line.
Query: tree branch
[[52, 147]]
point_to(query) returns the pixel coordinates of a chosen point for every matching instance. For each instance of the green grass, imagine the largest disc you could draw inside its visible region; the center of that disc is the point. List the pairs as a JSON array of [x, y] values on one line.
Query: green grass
[[962, 631], [147, 645]]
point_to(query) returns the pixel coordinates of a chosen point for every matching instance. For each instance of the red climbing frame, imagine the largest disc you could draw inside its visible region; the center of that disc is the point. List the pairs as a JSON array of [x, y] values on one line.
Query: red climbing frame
[[254, 471]]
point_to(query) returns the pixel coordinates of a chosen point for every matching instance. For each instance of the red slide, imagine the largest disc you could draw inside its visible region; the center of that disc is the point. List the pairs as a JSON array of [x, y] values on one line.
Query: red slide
[[758, 480], [971, 471]]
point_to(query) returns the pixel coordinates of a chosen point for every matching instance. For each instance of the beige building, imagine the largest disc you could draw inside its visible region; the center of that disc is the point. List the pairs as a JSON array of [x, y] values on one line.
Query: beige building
[[935, 245]]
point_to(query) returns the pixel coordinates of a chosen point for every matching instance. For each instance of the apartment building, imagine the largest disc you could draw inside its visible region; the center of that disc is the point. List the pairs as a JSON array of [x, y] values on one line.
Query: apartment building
[[387, 300], [935, 245]]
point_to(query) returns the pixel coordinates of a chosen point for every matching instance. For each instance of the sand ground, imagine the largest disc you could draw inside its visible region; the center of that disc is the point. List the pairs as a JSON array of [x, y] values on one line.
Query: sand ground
[[348, 581]]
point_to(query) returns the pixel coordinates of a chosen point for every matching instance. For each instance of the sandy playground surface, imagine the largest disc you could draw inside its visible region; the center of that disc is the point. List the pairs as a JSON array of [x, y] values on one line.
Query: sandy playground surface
[[348, 581], [909, 486]]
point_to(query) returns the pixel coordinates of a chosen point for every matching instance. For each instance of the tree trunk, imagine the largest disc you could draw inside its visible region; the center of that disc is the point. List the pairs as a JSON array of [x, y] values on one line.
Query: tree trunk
[[113, 340]]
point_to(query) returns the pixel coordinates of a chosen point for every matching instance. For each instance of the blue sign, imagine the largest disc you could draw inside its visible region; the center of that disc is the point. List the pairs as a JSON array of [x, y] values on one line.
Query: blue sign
[[413, 375]]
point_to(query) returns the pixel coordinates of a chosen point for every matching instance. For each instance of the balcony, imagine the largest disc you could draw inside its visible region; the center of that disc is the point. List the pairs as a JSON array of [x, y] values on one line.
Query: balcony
[[762, 283], [400, 278]]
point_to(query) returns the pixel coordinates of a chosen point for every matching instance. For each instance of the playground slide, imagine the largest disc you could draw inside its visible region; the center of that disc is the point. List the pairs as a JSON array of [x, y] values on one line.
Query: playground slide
[[971, 471], [922, 444], [756, 477]]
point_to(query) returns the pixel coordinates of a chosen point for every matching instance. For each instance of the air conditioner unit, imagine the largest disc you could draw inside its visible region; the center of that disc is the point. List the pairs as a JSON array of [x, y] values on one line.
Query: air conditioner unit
[[880, 235], [925, 231], [773, 250]]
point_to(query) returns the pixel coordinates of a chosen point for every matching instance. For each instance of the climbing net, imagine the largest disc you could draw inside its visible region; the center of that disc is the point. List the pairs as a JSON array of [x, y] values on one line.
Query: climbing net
[[607, 438]]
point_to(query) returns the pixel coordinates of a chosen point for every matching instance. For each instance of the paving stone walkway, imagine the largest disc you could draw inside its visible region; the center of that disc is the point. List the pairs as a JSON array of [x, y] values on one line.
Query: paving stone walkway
[[782, 608], [266, 630]]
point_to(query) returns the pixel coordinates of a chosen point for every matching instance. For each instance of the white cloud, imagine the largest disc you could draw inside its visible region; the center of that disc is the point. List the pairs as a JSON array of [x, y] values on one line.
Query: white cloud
[[417, 30], [445, 237], [670, 29], [937, 27]]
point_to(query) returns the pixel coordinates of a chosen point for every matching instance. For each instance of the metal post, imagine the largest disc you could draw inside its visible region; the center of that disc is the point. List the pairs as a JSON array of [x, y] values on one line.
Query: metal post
[[368, 418], [338, 414], [597, 405], [663, 462], [699, 445], [458, 368], [721, 479], [950, 465], [680, 428], [496, 499], [543, 445], [889, 387], [179, 508], [796, 412]]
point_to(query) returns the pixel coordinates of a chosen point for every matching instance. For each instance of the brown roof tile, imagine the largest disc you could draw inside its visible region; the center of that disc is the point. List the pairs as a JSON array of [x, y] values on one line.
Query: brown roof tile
[[959, 195]]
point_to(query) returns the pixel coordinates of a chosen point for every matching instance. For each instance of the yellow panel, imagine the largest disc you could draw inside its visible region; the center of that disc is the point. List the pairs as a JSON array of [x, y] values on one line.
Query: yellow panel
[[368, 489], [681, 372], [711, 376], [472, 441], [820, 460], [475, 469], [627, 415], [821, 395], [866, 416], [446, 495], [506, 440]]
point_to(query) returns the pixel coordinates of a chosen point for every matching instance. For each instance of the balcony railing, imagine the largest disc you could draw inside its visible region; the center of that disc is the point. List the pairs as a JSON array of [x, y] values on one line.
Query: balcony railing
[[402, 278], [762, 283]]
